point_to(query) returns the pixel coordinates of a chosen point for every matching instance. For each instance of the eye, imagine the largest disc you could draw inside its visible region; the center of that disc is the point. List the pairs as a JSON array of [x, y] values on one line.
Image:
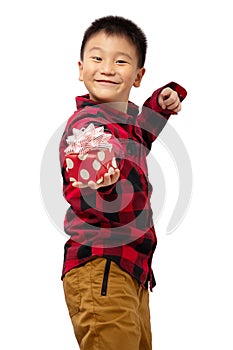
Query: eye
[[96, 58], [121, 62]]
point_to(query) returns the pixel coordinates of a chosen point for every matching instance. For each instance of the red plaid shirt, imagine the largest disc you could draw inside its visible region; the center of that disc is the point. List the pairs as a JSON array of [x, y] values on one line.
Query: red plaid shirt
[[116, 222]]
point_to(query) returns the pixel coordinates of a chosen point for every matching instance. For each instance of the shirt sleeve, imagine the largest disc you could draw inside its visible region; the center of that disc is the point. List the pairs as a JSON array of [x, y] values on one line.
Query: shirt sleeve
[[153, 118]]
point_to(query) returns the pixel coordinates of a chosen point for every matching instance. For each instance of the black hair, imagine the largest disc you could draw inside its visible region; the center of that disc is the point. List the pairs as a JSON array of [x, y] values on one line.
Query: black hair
[[116, 25]]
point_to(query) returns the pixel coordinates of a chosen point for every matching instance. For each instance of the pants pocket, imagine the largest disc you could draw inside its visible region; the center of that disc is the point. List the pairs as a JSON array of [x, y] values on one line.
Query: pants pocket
[[105, 278], [71, 291]]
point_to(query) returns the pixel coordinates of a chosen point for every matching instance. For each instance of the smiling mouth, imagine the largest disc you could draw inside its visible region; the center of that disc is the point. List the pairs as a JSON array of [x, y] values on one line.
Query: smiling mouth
[[107, 82]]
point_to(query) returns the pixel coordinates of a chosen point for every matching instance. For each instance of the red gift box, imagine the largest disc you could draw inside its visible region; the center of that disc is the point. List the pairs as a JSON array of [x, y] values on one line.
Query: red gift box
[[89, 155], [90, 166]]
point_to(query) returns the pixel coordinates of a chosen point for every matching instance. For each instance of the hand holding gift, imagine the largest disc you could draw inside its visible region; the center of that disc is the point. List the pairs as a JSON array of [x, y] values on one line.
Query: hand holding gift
[[90, 159]]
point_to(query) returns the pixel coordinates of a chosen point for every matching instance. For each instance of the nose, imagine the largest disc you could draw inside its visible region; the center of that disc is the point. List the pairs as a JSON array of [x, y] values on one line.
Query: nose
[[107, 68]]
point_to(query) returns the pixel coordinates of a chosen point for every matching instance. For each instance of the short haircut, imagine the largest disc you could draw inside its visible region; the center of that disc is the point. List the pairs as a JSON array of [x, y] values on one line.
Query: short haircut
[[116, 25]]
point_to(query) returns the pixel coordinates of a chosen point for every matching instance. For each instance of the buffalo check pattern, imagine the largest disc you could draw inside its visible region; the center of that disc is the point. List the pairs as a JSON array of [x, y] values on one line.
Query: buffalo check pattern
[[116, 222]]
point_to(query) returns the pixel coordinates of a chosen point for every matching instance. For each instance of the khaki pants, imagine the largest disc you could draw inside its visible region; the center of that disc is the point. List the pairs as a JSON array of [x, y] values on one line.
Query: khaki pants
[[108, 308]]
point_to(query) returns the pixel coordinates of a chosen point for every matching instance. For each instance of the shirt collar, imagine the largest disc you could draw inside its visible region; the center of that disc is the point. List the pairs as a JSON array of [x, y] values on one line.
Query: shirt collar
[[84, 100]]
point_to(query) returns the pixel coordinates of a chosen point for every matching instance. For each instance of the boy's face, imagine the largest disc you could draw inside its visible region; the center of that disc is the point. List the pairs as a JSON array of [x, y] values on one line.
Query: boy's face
[[110, 68]]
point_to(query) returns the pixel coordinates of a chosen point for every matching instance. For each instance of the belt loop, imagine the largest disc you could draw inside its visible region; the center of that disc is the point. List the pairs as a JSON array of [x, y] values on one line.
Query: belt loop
[[105, 279]]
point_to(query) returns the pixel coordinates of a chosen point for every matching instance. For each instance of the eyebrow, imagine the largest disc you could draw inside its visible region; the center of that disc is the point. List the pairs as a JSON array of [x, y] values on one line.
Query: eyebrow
[[118, 52]]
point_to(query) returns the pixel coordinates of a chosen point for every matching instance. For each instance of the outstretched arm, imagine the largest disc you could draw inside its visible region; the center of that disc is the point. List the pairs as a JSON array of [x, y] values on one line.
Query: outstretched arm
[[158, 108]]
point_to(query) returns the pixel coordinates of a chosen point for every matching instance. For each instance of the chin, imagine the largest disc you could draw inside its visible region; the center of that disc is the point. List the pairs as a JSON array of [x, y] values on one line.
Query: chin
[[105, 99]]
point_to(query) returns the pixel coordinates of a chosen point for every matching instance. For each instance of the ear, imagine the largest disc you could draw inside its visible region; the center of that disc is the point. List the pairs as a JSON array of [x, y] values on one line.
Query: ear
[[80, 66], [140, 73]]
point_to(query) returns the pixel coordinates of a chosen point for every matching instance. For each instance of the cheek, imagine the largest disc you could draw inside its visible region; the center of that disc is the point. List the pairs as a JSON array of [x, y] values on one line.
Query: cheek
[[88, 69], [132, 75], [131, 79], [87, 74], [126, 76]]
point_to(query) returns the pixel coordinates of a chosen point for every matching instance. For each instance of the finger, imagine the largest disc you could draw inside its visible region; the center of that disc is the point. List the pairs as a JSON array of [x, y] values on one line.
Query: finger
[[107, 180], [93, 185], [161, 101], [172, 98], [167, 92], [174, 106], [79, 184], [116, 175], [167, 97], [110, 179], [178, 108]]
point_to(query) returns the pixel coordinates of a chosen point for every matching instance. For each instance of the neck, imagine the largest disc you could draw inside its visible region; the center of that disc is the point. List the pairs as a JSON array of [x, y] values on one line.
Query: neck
[[120, 106]]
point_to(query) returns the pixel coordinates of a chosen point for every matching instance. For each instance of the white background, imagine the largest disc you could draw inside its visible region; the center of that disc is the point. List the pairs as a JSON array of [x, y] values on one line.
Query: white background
[[189, 42]]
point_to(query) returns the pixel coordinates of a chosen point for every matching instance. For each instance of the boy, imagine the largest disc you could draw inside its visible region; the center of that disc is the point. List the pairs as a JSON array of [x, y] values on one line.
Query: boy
[[107, 263]]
